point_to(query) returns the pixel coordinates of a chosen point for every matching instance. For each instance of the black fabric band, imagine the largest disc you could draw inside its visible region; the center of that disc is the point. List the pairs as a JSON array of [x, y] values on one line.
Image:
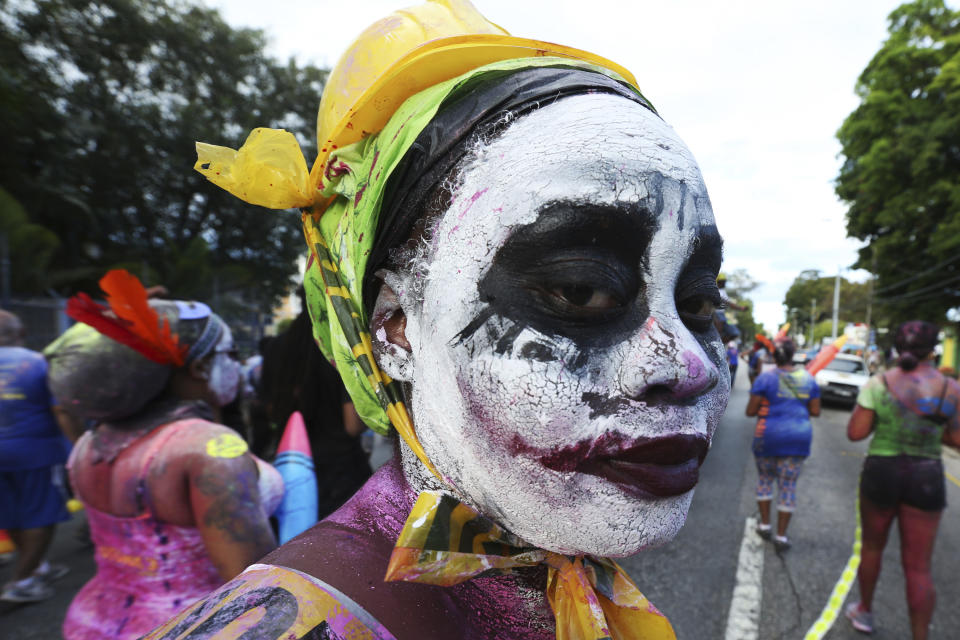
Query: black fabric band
[[475, 110]]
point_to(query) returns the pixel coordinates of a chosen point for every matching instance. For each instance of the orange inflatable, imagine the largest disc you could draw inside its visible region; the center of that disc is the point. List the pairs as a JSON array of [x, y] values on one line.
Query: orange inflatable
[[826, 355]]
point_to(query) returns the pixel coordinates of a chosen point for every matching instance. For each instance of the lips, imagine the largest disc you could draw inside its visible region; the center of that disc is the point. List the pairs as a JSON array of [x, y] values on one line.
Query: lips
[[661, 467]]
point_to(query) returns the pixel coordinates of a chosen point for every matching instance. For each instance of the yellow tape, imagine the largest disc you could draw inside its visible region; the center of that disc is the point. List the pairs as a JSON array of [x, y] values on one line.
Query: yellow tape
[[228, 445], [952, 479], [840, 590]]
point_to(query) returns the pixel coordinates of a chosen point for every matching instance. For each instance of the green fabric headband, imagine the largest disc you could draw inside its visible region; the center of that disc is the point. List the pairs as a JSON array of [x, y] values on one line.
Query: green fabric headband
[[342, 239]]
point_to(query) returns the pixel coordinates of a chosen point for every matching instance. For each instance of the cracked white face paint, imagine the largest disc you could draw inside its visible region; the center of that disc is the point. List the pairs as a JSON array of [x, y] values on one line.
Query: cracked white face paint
[[224, 371], [566, 379]]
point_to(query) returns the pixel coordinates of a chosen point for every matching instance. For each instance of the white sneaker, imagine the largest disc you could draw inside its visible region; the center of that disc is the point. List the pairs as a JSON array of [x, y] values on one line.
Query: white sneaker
[[30, 590], [861, 620], [50, 572]]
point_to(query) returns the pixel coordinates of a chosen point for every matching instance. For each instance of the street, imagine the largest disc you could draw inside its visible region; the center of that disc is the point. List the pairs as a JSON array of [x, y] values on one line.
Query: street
[[693, 579]]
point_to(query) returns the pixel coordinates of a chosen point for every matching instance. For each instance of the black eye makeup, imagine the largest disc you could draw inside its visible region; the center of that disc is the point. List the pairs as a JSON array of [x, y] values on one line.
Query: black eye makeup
[[697, 294], [574, 272]]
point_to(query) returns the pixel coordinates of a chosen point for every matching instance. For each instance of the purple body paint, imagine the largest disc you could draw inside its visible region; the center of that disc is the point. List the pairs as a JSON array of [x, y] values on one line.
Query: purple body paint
[[486, 607]]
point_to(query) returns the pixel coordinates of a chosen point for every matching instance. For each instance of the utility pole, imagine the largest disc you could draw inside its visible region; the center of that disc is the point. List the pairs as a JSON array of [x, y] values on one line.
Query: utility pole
[[813, 311], [836, 304], [873, 270]]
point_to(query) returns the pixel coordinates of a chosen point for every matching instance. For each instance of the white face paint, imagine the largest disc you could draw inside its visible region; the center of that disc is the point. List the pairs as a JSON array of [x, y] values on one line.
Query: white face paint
[[224, 371], [556, 385]]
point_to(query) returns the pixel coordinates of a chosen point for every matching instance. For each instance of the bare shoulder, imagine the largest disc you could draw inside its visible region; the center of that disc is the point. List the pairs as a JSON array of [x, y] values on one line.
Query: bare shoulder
[[200, 444], [953, 389], [354, 562], [193, 432]]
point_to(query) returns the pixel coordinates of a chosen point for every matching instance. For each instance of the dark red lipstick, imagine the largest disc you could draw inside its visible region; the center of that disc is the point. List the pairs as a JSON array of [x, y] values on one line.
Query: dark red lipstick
[[662, 467]]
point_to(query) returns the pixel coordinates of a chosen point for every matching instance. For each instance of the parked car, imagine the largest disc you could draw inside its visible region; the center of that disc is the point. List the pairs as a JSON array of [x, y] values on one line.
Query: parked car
[[803, 356], [842, 379]]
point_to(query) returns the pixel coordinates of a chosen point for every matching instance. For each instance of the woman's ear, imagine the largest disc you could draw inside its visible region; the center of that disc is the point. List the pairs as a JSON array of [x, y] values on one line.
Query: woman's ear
[[199, 369], [388, 329]]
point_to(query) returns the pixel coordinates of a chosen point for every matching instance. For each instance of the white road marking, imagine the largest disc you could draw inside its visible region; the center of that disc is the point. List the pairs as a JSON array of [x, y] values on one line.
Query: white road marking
[[743, 621]]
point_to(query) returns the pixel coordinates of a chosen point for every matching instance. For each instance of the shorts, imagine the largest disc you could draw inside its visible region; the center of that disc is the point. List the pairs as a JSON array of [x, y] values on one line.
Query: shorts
[[33, 498], [888, 481]]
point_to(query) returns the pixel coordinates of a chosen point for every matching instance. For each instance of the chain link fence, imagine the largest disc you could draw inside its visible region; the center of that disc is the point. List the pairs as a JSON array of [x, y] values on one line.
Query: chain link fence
[[43, 318]]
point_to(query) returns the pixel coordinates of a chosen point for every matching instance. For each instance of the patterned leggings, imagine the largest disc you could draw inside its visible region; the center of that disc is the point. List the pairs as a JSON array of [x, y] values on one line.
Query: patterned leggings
[[785, 470]]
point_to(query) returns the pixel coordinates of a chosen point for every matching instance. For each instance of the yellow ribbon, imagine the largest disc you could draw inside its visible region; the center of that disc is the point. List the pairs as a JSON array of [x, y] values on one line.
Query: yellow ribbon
[[445, 542]]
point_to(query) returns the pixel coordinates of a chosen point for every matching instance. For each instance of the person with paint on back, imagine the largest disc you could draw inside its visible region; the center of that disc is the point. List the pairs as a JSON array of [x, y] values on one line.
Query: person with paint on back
[[910, 411], [33, 449], [783, 399], [544, 348], [176, 504]]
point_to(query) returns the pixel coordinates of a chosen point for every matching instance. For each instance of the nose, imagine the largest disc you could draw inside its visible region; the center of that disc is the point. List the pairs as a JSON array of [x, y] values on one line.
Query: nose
[[665, 362]]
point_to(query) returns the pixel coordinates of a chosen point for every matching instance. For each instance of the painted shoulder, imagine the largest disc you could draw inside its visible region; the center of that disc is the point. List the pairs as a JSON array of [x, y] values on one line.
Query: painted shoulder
[[953, 387], [270, 602], [354, 561]]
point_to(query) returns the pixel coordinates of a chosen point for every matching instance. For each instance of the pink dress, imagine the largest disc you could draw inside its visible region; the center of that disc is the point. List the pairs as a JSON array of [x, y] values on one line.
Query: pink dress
[[147, 570]]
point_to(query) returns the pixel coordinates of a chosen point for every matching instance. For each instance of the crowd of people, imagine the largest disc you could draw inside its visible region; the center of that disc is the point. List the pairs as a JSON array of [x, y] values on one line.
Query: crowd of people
[[546, 356], [909, 410], [130, 423]]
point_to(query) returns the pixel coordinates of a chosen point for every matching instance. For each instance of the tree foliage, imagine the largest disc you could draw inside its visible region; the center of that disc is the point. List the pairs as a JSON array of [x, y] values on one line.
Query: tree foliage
[[101, 102], [901, 173], [810, 298], [739, 285]]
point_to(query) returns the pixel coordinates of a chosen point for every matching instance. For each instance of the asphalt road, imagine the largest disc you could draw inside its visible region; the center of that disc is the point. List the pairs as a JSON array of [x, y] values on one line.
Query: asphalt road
[[692, 579]]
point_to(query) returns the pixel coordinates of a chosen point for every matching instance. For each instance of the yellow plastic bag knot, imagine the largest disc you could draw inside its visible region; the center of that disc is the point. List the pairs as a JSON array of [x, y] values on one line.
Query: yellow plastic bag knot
[[268, 170]]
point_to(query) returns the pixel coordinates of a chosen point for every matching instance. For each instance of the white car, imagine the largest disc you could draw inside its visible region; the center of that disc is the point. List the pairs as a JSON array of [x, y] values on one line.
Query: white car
[[842, 379]]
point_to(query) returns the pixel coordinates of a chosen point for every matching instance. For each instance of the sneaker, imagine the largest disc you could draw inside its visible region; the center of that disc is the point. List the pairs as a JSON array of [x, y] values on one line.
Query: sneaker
[[51, 572], [861, 620], [781, 543], [765, 531], [29, 590]]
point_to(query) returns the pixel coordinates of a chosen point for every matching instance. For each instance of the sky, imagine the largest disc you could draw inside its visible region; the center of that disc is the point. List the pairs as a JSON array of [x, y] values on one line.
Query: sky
[[757, 89]]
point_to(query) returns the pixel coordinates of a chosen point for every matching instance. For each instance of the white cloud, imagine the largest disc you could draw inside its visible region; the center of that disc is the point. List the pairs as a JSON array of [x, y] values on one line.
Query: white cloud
[[756, 88]]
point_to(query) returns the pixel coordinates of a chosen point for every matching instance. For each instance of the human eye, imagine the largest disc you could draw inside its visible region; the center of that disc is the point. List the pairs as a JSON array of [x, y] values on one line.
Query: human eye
[[697, 299], [574, 272], [583, 290], [585, 297]]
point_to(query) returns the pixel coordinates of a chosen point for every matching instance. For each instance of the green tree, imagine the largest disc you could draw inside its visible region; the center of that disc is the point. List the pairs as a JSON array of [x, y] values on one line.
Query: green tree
[[739, 285], [901, 170], [810, 297], [101, 102]]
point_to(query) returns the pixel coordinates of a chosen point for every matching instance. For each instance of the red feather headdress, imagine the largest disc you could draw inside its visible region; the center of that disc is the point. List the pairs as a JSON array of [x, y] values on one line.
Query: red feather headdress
[[132, 321]]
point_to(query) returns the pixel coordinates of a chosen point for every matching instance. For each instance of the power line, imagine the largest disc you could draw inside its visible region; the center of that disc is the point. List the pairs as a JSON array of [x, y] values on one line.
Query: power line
[[918, 275], [947, 293], [913, 294]]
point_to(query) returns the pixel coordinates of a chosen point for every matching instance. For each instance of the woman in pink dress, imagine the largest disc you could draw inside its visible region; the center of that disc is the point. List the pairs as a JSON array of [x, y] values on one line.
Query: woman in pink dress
[[176, 504]]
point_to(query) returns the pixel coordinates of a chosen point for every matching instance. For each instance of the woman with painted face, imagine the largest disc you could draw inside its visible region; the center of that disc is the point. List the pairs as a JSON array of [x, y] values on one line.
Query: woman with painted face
[[513, 267], [783, 399], [175, 503], [910, 410]]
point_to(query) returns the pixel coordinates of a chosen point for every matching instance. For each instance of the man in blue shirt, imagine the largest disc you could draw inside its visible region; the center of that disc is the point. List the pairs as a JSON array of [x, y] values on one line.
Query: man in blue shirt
[[33, 451]]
